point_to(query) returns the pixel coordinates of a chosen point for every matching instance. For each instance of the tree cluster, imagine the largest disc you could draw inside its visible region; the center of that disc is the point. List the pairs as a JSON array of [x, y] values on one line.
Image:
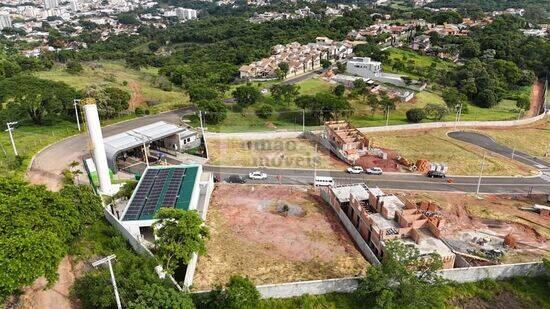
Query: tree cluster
[[37, 228]]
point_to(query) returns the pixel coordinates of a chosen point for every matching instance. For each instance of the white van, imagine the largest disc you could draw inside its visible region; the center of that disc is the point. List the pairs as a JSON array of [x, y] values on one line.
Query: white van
[[323, 181]]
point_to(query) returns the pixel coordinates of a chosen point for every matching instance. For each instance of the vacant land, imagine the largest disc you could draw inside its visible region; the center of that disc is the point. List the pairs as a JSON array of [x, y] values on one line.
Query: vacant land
[[294, 153], [436, 146], [415, 59], [113, 74], [494, 216], [313, 85], [272, 235], [533, 139]]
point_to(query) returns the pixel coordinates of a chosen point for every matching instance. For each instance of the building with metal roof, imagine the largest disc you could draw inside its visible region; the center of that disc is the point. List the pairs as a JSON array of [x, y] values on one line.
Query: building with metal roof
[[164, 134]]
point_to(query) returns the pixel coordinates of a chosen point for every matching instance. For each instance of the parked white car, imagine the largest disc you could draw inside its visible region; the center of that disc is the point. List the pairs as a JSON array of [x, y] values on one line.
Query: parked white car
[[355, 170], [257, 175], [374, 171]]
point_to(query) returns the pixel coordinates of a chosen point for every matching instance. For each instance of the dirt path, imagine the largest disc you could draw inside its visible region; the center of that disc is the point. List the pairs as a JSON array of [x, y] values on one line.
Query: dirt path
[[537, 98], [58, 296], [137, 98]]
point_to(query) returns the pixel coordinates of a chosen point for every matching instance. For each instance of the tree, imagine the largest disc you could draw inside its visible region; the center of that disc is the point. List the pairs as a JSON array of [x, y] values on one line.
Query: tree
[[372, 51], [452, 98], [325, 63], [156, 296], [339, 90], [415, 115], [341, 67], [435, 111], [37, 227], [26, 95], [404, 279], [214, 111], [284, 92], [179, 233], [117, 99], [283, 66], [523, 102], [246, 95], [486, 98], [110, 101], [359, 86], [128, 19], [265, 111], [153, 46], [407, 80], [74, 67], [239, 293]]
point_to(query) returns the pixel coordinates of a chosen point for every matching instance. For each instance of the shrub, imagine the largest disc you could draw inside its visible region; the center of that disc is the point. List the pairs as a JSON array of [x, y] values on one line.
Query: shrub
[[415, 115], [265, 111]]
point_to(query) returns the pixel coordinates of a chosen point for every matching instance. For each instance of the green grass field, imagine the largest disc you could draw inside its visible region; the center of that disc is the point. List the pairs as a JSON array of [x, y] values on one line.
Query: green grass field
[[29, 139], [418, 60], [114, 74], [313, 85]]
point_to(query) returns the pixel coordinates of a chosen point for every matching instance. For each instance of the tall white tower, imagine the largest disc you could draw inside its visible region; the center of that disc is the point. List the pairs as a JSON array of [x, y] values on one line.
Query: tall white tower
[[100, 159]]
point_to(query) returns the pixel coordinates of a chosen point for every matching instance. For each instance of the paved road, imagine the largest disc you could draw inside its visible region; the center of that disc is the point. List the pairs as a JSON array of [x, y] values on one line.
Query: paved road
[[488, 143], [509, 185], [49, 163]]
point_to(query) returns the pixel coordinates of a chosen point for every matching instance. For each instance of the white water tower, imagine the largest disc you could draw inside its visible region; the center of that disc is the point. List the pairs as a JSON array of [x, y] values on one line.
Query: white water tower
[[100, 159]]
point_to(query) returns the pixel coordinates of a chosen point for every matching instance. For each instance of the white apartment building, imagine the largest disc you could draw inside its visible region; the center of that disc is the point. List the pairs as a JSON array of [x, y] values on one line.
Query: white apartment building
[[364, 67], [186, 14], [50, 4], [5, 20], [75, 5]]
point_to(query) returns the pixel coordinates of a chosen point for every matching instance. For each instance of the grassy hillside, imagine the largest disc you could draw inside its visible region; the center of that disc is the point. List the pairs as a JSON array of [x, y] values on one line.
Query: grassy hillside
[[113, 74]]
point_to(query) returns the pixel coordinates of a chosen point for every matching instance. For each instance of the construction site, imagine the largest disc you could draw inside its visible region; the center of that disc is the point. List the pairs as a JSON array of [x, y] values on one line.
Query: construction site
[[354, 148]]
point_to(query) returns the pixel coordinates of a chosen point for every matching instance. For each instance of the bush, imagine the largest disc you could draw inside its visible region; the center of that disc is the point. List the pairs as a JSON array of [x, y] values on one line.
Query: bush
[[240, 292], [415, 115], [265, 111]]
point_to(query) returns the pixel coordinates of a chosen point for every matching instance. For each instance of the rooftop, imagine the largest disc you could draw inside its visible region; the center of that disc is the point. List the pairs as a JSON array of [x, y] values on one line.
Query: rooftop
[[162, 187], [359, 191], [134, 138], [428, 244]]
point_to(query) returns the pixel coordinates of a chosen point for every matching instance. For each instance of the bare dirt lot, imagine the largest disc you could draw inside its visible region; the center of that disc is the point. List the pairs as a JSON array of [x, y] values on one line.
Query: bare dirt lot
[[274, 234], [494, 216]]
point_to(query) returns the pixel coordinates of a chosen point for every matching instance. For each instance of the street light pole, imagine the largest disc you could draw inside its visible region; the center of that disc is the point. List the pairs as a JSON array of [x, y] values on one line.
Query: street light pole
[[113, 281], [387, 115], [10, 129], [480, 174], [75, 103], [303, 120]]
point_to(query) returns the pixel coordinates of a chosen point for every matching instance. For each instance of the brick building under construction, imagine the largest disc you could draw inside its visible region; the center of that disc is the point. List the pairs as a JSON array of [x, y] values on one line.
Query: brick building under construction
[[380, 217]]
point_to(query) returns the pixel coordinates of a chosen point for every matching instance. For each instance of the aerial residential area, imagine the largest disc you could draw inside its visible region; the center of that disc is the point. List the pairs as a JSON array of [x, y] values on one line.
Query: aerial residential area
[[274, 154]]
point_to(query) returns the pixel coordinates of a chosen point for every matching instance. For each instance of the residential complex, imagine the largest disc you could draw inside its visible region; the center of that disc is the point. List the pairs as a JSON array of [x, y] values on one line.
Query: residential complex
[[300, 58]]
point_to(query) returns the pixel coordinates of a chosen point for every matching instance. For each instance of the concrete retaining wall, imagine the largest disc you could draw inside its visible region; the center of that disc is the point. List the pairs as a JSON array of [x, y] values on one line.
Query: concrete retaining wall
[[134, 242], [348, 285], [315, 287], [392, 128], [497, 272]]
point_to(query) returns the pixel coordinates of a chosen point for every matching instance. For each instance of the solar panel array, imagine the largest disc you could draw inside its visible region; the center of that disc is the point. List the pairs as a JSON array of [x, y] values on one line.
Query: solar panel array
[[171, 194], [155, 193], [134, 210], [164, 187]]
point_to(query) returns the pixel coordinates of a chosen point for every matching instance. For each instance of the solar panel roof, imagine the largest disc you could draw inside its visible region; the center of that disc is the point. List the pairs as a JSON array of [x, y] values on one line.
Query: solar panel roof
[[161, 187]]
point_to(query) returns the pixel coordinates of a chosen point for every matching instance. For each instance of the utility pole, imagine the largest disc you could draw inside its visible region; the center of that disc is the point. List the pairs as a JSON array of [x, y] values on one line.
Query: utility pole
[[387, 115], [113, 281], [480, 174], [458, 108], [315, 165], [513, 151], [75, 103], [303, 120], [10, 129]]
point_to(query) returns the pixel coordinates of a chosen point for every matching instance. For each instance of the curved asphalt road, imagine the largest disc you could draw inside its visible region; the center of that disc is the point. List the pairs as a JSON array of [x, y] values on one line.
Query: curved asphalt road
[[490, 144]]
